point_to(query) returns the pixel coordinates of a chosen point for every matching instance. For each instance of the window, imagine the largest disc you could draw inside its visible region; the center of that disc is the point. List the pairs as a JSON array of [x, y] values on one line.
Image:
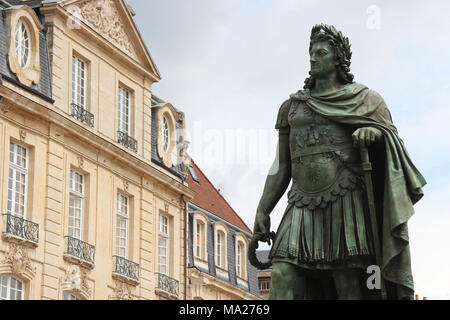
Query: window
[[17, 180], [11, 288], [264, 285], [124, 110], [165, 133], [239, 262], [69, 296], [79, 82], [219, 249], [199, 240], [163, 244], [22, 43], [76, 204], [122, 225]]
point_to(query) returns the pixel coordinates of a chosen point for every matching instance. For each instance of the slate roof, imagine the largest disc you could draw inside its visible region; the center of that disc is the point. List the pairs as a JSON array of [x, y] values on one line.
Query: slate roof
[[208, 198], [44, 87], [263, 256]]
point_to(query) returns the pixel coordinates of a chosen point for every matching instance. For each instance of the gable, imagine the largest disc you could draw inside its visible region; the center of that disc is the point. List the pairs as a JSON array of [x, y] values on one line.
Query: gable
[[113, 20]]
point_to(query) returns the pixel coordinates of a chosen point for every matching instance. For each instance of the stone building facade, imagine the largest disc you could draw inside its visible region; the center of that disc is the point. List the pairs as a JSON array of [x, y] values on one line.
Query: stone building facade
[[93, 196]]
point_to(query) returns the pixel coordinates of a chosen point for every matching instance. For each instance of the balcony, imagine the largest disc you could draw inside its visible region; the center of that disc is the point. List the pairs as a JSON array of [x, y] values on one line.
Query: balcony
[[125, 270], [79, 252], [20, 230], [168, 285], [81, 114], [127, 141]]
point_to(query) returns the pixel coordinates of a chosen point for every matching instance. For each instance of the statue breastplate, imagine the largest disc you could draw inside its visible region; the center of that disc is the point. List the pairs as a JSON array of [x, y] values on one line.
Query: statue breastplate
[[325, 165]]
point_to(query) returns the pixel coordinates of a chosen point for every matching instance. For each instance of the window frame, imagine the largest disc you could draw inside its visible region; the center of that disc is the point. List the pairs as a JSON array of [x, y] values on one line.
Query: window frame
[[165, 133], [241, 243], [8, 287], [164, 234], [17, 169], [22, 23], [76, 81], [73, 193], [121, 216], [199, 235], [122, 89]]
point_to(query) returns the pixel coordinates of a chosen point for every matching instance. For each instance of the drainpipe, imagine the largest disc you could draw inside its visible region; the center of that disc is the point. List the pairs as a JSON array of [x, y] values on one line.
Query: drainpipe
[[186, 236]]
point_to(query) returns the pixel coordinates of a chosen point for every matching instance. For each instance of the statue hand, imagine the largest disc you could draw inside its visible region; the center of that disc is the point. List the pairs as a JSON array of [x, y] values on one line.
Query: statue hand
[[366, 136], [262, 226]]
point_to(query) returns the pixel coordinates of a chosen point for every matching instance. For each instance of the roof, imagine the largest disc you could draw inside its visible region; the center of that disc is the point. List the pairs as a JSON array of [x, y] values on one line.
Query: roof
[[263, 256], [208, 198]]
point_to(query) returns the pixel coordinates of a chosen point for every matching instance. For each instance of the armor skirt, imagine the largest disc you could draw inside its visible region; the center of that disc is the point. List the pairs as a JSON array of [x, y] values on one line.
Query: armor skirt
[[334, 237]]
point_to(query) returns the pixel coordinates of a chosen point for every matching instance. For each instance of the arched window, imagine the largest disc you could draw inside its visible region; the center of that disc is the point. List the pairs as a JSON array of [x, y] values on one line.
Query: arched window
[[199, 239], [22, 43], [220, 249], [239, 264], [11, 288], [241, 256]]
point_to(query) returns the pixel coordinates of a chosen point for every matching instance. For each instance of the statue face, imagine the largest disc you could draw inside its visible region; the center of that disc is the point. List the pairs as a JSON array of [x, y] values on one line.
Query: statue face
[[322, 60]]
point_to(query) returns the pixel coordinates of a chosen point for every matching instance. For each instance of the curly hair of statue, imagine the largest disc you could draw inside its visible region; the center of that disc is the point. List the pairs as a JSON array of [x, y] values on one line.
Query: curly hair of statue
[[341, 45]]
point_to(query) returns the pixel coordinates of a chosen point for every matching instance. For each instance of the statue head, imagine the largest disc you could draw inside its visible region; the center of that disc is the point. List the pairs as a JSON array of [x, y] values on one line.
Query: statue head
[[329, 52]]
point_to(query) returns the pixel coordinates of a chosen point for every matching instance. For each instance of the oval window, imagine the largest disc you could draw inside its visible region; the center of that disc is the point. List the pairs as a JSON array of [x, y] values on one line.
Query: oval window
[[22, 43], [165, 134]]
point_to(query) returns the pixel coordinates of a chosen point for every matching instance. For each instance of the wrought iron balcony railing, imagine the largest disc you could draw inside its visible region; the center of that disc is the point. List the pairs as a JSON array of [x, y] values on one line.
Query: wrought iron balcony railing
[[80, 250], [81, 114], [127, 141], [126, 268], [168, 284], [20, 228]]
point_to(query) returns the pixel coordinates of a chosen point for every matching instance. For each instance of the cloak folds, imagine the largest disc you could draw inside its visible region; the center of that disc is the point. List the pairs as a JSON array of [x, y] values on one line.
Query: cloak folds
[[397, 182]]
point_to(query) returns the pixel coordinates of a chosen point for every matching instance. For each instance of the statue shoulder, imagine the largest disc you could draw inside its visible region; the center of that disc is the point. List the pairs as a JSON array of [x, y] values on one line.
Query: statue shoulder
[[283, 112]]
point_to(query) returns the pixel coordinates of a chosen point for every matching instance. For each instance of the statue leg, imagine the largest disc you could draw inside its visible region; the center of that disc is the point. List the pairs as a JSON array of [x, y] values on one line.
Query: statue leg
[[286, 282], [348, 284]]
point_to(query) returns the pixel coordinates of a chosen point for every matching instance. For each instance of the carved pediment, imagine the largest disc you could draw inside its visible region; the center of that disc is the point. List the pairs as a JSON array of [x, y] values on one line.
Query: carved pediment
[[113, 20], [103, 16]]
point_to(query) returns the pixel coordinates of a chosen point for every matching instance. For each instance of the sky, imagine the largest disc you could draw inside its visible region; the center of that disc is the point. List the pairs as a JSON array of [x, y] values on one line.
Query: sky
[[229, 64]]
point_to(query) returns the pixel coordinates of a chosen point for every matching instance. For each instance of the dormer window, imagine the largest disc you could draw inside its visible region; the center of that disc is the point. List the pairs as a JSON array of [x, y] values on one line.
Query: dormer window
[[22, 43]]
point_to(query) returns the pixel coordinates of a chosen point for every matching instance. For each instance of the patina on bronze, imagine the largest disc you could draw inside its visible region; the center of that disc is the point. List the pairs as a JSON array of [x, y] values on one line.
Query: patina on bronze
[[327, 236]]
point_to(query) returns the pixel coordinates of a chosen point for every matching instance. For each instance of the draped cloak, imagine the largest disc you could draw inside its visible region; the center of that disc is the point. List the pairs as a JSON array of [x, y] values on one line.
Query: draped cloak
[[397, 182]]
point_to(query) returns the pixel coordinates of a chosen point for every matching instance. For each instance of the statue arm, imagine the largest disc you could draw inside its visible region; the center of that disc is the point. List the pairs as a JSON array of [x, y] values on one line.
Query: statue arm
[[277, 182], [278, 178]]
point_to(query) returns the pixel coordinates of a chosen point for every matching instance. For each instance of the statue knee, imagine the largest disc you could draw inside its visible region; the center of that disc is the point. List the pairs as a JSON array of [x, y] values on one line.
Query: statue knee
[[283, 272]]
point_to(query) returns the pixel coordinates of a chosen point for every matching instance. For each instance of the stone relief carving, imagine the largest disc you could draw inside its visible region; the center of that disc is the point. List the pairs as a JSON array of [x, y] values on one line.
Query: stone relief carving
[[75, 280], [80, 162], [122, 291], [103, 16], [18, 261], [23, 135]]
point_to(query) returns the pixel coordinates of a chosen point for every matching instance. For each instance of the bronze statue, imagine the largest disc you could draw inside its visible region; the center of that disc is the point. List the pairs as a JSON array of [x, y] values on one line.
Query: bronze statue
[[328, 236]]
